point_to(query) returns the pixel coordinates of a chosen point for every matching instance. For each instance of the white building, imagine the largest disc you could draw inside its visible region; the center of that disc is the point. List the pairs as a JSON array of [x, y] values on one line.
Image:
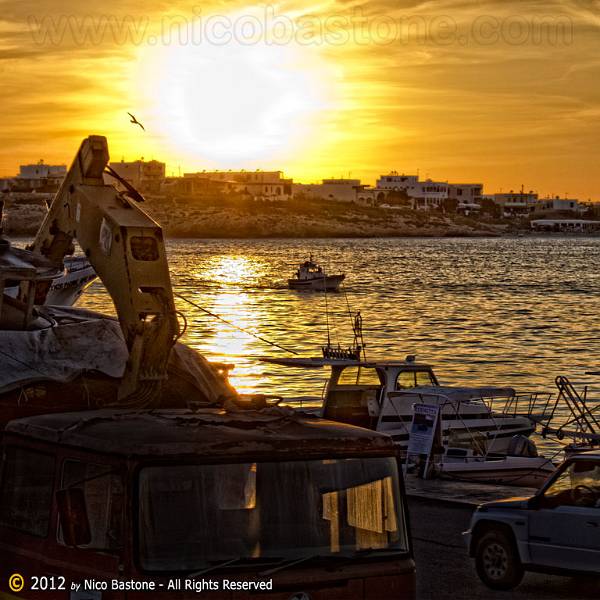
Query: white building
[[574, 225], [515, 203], [394, 182], [141, 174], [38, 177], [340, 190], [425, 195], [370, 196], [467, 195], [559, 204], [42, 171], [261, 185]]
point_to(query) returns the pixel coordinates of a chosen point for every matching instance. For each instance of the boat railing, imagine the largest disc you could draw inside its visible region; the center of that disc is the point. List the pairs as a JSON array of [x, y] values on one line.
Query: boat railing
[[582, 422], [447, 404], [420, 396], [534, 405], [537, 406]]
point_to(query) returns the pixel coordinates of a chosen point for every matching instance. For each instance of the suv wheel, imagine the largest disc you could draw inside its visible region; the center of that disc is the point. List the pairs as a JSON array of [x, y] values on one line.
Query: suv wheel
[[497, 561]]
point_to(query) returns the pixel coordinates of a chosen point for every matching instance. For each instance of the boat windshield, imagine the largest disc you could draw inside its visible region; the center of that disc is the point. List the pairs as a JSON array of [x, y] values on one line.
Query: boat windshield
[[412, 378], [197, 516]]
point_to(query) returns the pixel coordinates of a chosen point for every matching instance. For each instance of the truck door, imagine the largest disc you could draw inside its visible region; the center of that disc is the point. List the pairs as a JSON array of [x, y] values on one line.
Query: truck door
[[26, 493], [103, 488], [564, 531]]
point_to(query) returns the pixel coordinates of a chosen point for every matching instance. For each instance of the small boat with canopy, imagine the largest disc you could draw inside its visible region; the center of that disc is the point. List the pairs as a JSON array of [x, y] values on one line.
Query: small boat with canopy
[[311, 276]]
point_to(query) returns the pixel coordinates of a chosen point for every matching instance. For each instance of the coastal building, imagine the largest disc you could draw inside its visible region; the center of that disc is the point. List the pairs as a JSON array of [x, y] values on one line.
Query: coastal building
[[424, 195], [147, 176], [515, 203], [566, 225], [559, 205], [198, 186], [33, 178], [339, 190], [523, 203], [467, 196], [370, 196], [40, 170], [394, 181], [261, 185]]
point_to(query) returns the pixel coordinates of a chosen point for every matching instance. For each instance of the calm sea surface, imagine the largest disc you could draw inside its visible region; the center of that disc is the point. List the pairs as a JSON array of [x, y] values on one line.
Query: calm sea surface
[[502, 311]]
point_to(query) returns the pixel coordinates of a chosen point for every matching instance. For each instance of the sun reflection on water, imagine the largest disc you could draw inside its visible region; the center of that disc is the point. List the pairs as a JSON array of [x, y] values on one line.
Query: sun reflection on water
[[229, 270], [482, 312], [228, 340]]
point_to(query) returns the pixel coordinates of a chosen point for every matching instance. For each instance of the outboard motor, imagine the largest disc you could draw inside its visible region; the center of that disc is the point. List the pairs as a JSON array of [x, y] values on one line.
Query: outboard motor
[[522, 446]]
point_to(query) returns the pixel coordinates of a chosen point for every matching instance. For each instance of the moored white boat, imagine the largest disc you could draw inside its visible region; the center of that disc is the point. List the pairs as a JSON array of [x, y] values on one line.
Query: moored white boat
[[527, 471], [380, 395], [66, 289]]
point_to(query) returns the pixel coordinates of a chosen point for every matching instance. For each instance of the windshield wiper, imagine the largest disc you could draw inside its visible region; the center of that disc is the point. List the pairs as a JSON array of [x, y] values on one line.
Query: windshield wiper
[[228, 562], [368, 553], [290, 563], [377, 552], [344, 557], [347, 557], [214, 567]]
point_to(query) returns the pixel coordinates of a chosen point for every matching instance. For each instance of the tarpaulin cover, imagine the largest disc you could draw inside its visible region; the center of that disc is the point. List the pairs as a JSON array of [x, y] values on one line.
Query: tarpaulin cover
[[83, 341]]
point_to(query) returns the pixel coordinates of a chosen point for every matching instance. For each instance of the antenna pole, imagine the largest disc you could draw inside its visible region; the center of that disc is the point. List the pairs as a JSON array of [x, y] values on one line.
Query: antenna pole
[[327, 315]]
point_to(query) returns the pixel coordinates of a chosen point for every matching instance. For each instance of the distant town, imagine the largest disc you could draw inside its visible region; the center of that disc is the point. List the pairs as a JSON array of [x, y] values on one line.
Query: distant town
[[436, 206]]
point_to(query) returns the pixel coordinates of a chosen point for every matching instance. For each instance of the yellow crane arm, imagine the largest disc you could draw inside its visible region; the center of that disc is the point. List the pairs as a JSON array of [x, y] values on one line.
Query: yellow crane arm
[[126, 248]]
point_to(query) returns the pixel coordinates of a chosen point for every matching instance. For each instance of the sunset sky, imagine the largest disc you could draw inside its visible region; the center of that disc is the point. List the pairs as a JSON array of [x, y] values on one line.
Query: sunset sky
[[501, 92]]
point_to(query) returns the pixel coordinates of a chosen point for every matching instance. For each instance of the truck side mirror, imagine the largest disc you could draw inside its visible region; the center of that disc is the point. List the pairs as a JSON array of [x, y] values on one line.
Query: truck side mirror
[[74, 521]]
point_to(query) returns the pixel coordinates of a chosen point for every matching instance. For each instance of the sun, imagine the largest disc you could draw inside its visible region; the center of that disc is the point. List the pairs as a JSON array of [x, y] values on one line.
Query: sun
[[234, 102]]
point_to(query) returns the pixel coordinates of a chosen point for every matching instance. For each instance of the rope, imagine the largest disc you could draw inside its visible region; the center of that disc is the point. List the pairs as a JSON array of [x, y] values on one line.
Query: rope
[[347, 302], [246, 331], [327, 314]]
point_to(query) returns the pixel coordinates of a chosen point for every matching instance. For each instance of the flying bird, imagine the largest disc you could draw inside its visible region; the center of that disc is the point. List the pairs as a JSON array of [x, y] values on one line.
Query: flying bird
[[135, 121]]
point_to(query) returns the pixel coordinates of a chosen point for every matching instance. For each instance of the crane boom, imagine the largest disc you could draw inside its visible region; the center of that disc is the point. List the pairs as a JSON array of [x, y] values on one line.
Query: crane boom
[[126, 248]]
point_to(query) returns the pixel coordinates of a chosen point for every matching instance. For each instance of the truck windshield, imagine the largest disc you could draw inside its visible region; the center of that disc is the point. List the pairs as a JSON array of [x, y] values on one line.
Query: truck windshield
[[195, 516]]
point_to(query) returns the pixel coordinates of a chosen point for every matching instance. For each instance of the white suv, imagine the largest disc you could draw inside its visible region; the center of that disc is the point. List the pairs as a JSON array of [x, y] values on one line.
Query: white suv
[[555, 531]]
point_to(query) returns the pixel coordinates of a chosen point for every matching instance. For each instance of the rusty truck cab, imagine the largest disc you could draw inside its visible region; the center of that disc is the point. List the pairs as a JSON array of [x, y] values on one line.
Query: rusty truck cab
[[178, 495]]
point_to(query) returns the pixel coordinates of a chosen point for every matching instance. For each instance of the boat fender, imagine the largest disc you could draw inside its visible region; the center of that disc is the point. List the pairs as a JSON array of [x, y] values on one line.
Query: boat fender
[[522, 446], [373, 407]]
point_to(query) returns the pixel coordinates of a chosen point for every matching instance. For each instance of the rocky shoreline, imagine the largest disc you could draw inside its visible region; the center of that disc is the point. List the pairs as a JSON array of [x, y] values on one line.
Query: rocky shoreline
[[235, 218], [295, 219]]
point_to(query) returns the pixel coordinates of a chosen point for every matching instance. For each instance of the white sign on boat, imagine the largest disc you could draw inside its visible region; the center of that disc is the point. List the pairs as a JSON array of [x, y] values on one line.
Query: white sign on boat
[[425, 434]]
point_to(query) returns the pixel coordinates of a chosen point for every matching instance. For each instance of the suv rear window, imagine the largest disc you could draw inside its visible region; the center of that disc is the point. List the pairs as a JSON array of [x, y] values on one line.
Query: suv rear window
[[26, 490]]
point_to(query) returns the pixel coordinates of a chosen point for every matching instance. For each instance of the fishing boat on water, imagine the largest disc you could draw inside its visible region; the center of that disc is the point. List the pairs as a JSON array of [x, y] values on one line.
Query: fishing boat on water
[[311, 276]]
